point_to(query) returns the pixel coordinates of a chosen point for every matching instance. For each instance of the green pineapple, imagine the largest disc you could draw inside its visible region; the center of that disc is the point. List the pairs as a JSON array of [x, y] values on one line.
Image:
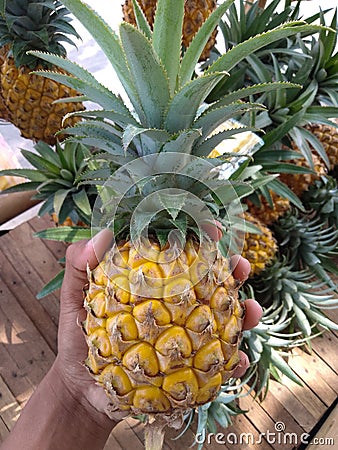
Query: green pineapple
[[56, 176]]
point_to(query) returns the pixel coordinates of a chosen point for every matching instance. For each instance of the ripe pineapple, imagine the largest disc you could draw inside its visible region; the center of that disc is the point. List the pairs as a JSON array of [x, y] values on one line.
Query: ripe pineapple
[[301, 182], [264, 212], [328, 136], [195, 14], [259, 248], [163, 316], [33, 25]]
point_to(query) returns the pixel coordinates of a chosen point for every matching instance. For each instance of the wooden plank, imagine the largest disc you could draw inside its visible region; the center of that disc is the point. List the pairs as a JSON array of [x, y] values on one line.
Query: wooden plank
[[26, 271], [15, 377], [242, 434], [23, 341], [4, 431], [58, 249], [112, 443], [306, 419], [32, 307], [327, 436], [268, 416], [36, 252], [126, 437], [325, 347], [316, 374], [311, 402], [9, 407]]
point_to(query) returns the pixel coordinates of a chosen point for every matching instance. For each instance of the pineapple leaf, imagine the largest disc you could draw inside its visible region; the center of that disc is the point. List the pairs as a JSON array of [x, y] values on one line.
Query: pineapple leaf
[[255, 89], [141, 20], [149, 77], [231, 58], [166, 37], [98, 94], [118, 118], [31, 174], [22, 187], [284, 128], [280, 364], [59, 199], [156, 139], [51, 286], [184, 141], [197, 45], [181, 113], [209, 144], [106, 38], [284, 191], [65, 234], [47, 152], [41, 163], [82, 202], [172, 202], [322, 320], [213, 117]]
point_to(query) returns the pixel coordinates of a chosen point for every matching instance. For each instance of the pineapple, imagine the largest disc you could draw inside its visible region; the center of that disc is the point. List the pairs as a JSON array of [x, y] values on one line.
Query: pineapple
[[164, 318], [301, 182], [27, 98], [55, 177], [328, 136], [195, 14], [267, 213], [259, 248]]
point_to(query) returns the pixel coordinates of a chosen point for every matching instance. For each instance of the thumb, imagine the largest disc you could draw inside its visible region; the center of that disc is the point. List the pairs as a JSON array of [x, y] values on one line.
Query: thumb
[[78, 256]]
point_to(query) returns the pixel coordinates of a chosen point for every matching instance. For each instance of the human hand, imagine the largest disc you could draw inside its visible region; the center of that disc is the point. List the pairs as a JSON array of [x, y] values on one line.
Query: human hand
[[72, 345]]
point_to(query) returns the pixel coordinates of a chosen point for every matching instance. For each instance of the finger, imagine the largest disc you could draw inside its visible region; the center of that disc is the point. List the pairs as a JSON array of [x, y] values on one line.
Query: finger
[[78, 256], [253, 314], [243, 365], [240, 267], [213, 230]]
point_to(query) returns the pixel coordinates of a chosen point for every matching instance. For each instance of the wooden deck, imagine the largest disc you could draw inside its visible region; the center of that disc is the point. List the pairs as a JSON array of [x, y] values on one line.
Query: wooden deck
[[28, 332]]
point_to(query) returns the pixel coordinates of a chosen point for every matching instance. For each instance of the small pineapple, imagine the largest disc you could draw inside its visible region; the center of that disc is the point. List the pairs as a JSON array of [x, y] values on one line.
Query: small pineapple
[[56, 176], [259, 248], [195, 14], [28, 99]]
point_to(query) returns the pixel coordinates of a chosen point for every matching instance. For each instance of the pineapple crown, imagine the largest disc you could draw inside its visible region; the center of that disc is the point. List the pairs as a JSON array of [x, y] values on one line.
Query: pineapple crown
[[294, 294], [56, 175], [161, 141], [34, 25]]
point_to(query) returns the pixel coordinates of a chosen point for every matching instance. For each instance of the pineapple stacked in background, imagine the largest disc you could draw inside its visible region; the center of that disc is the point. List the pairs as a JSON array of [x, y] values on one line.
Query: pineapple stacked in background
[[297, 213], [27, 100], [288, 190]]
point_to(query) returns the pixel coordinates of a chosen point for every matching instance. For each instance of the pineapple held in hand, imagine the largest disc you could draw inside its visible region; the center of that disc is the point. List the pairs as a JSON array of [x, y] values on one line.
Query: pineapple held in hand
[[26, 99], [163, 319]]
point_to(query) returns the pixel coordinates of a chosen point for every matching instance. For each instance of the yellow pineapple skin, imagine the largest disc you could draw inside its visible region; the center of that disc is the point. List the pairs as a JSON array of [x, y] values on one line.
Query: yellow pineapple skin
[[264, 212], [300, 183], [328, 136], [195, 14], [29, 101], [163, 327], [259, 249]]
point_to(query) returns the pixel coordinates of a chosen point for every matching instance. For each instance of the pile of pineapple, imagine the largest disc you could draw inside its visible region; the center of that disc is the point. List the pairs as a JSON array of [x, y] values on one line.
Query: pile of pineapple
[[164, 313]]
